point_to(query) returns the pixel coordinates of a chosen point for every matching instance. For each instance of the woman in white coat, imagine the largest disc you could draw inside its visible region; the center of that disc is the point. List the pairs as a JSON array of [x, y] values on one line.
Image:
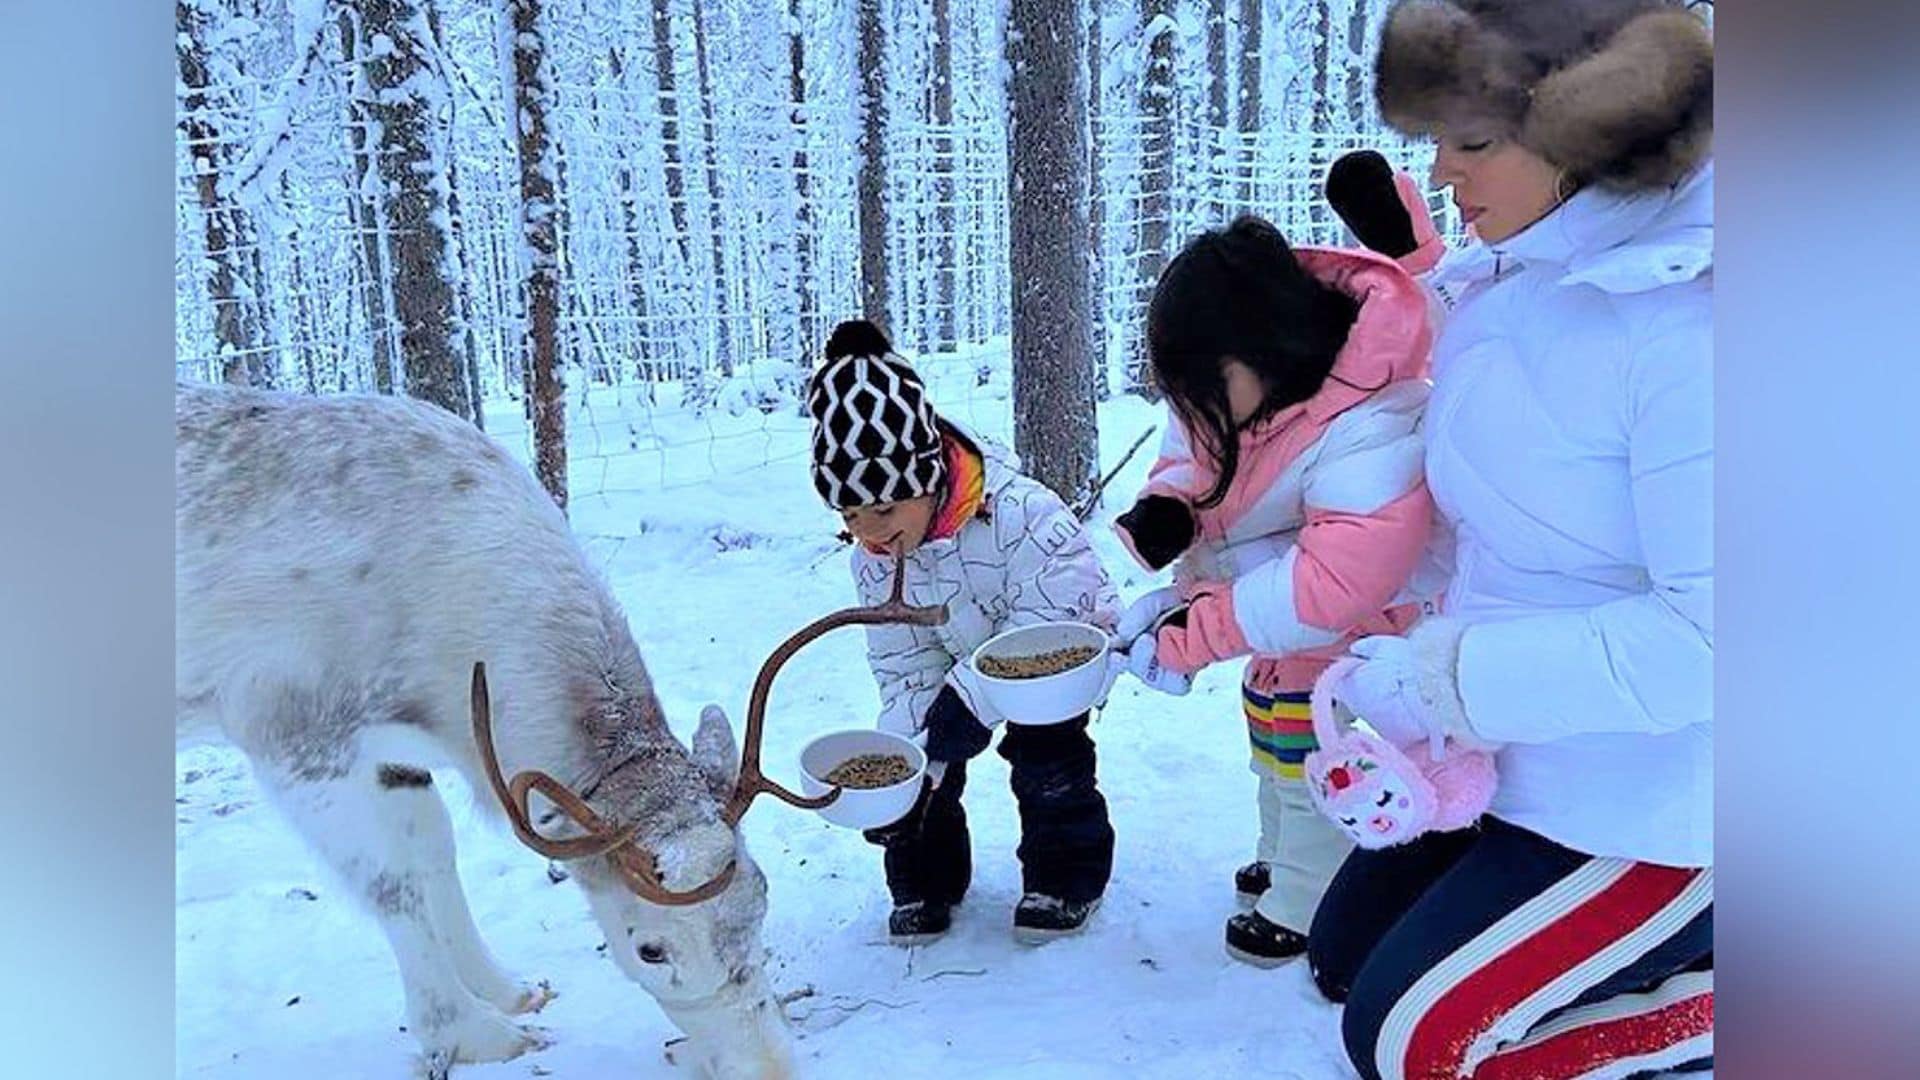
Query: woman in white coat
[[1569, 452]]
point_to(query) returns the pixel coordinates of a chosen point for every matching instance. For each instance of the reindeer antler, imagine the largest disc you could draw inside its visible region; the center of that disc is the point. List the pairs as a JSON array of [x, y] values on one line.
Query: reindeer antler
[[637, 867], [752, 782]]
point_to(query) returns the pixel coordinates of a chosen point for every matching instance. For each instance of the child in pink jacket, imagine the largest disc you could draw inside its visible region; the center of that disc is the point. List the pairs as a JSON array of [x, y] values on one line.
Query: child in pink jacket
[[1290, 491]]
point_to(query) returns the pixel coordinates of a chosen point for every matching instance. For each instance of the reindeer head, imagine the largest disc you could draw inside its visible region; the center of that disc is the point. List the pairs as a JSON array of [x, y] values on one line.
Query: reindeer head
[[678, 897], [702, 961], [680, 900]]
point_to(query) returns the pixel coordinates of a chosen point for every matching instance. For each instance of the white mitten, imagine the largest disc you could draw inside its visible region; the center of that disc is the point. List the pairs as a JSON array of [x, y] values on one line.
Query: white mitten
[[1145, 666], [1144, 614]]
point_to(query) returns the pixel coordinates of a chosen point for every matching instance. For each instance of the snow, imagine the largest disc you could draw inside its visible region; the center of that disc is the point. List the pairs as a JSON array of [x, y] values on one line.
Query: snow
[[279, 974]]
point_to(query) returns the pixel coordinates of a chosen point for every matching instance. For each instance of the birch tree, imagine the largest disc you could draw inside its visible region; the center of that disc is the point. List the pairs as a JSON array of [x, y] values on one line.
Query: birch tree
[[228, 229]]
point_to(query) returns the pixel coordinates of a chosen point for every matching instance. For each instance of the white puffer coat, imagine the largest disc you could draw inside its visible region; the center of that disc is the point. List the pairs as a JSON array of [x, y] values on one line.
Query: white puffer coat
[[1022, 559], [1570, 449]]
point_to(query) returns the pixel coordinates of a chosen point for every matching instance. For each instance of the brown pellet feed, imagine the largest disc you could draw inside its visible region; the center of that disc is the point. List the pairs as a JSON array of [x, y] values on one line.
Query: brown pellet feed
[[870, 771], [1038, 665]]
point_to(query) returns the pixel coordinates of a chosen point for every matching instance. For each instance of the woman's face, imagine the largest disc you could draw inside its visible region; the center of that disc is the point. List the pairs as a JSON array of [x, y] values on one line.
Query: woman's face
[[894, 527], [1245, 392], [1500, 186]]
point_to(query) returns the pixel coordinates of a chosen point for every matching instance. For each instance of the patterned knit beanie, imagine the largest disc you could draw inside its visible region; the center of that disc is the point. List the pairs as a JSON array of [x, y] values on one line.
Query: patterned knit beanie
[[875, 439]]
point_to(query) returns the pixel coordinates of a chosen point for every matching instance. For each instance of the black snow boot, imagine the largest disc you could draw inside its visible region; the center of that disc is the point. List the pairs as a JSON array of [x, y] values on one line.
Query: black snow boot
[[1250, 881], [1040, 918], [1254, 939], [918, 921]]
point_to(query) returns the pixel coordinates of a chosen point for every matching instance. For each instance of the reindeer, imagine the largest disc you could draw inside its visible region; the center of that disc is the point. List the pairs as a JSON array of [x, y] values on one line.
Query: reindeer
[[349, 572]]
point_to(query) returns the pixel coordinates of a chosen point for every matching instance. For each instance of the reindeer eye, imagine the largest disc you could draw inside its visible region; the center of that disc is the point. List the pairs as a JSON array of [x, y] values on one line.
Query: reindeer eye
[[652, 953], [1385, 798], [1349, 821]]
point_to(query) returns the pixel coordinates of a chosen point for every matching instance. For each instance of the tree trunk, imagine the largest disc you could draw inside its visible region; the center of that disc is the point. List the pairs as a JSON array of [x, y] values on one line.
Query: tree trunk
[[374, 284], [874, 297], [630, 234], [803, 254], [412, 161], [463, 269], [539, 245], [1359, 72], [1097, 197], [228, 228], [943, 186], [1251, 31], [716, 195], [1156, 174], [463, 285], [1055, 430], [1318, 157], [305, 338], [664, 79], [1216, 67]]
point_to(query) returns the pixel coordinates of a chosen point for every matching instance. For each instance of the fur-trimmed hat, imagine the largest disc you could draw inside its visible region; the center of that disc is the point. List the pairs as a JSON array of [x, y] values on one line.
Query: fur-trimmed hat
[[875, 437], [1616, 92]]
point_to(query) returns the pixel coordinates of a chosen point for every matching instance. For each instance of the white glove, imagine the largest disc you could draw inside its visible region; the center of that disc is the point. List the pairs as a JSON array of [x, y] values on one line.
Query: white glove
[[1385, 690], [1141, 662], [1407, 691], [1144, 614]]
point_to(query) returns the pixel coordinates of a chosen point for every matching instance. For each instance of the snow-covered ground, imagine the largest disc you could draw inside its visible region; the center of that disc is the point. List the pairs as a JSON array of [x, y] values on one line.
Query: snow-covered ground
[[279, 975]]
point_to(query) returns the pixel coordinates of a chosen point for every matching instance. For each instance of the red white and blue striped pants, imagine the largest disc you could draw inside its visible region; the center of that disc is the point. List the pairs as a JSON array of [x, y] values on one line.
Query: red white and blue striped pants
[[1497, 954]]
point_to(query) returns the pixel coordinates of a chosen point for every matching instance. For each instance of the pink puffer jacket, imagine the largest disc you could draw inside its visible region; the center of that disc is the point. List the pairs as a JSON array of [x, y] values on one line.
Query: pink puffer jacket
[[1328, 513]]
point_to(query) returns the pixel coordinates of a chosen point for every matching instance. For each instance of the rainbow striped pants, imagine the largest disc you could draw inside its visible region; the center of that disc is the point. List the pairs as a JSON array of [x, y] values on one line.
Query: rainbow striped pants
[[1301, 849]]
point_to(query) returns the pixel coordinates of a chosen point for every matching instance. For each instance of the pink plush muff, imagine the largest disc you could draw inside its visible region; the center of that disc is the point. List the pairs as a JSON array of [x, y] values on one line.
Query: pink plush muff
[[1380, 794]]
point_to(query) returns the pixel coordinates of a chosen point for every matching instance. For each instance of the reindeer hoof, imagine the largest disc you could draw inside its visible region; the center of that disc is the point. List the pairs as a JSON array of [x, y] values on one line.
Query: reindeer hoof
[[534, 998], [488, 1037]]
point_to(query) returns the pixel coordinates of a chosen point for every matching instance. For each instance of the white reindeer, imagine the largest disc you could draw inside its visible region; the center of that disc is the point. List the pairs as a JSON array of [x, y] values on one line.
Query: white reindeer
[[340, 564]]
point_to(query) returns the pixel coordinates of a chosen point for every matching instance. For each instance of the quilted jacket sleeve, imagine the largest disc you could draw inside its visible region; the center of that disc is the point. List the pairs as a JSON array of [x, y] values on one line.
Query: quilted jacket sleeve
[[1368, 516]]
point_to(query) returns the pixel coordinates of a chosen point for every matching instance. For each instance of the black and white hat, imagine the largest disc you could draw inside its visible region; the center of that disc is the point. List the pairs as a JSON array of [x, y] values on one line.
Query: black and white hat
[[875, 438]]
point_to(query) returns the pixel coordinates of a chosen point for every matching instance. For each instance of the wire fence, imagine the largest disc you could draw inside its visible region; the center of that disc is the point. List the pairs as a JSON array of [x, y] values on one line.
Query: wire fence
[[707, 244]]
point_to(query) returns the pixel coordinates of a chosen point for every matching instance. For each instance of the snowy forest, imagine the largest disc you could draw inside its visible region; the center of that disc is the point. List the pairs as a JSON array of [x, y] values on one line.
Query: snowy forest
[[616, 236], [652, 213]]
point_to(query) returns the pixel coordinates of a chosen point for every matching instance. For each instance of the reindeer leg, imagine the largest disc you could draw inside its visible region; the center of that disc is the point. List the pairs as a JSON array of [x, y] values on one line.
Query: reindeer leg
[[410, 792], [390, 843]]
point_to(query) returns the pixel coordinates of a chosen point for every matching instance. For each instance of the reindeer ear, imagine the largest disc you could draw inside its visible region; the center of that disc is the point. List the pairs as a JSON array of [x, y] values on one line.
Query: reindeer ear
[[715, 753]]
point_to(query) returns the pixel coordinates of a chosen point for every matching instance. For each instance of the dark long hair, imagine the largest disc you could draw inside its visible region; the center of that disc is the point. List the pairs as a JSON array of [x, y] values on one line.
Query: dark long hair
[[1239, 292]]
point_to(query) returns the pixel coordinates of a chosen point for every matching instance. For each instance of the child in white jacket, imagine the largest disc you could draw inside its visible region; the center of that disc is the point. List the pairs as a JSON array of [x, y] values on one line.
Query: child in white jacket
[[999, 550]]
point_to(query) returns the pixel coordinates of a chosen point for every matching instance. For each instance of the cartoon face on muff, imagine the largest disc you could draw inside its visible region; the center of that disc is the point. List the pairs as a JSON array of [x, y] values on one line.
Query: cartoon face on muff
[[1369, 800]]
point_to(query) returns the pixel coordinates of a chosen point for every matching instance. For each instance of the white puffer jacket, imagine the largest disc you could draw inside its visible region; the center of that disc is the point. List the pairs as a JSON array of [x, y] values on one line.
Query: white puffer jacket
[[1023, 558], [1570, 447]]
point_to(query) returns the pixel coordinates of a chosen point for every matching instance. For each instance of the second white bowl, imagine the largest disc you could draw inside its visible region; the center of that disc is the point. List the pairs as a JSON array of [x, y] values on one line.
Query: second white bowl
[[1048, 699]]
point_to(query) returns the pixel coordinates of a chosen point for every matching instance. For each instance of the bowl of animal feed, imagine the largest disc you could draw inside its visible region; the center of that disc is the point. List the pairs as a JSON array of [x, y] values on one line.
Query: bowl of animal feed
[[878, 774], [1045, 673]]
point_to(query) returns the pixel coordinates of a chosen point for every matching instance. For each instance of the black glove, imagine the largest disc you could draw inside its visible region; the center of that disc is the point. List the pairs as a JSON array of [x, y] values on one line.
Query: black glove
[[1360, 189], [953, 732], [1161, 527], [909, 824]]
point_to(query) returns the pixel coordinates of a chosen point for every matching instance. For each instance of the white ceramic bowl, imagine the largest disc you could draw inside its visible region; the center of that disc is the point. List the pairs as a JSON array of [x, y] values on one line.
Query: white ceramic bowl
[[1049, 699], [861, 808]]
